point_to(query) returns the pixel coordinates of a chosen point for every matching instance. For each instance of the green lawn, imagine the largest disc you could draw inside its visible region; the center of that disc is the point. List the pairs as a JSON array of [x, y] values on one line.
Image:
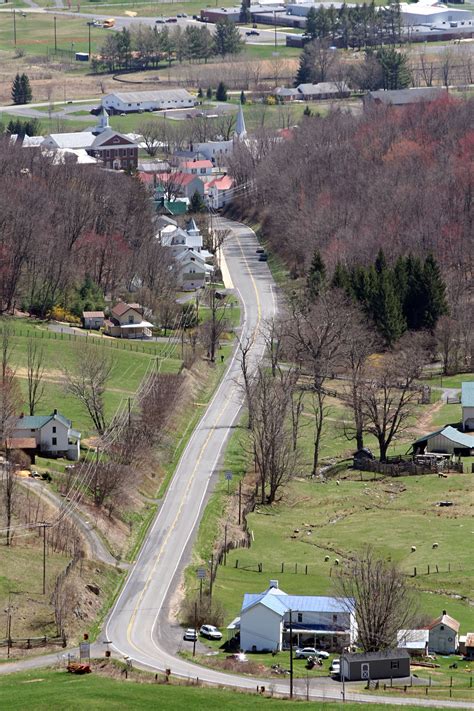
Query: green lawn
[[130, 363], [35, 33], [46, 689]]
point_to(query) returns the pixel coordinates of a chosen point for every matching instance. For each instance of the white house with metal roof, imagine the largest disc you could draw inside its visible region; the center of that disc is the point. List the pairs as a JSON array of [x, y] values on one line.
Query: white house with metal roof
[[467, 404], [446, 440], [132, 101], [323, 622], [53, 434]]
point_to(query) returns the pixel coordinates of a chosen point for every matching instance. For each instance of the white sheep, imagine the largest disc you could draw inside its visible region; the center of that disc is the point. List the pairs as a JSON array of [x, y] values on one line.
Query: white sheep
[[336, 561], [413, 549], [435, 545], [326, 558]]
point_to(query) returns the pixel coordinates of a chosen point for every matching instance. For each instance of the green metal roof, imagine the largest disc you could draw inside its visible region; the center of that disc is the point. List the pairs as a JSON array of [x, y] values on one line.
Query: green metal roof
[[452, 434], [175, 207], [467, 394], [35, 422]]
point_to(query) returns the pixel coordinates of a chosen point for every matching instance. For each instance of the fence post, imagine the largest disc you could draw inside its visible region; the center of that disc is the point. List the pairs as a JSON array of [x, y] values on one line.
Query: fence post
[[306, 570], [282, 567], [414, 572], [428, 570], [237, 563], [296, 568]]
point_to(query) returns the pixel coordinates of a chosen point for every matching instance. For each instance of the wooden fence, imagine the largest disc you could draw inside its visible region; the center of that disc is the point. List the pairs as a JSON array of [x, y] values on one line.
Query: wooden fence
[[32, 642]]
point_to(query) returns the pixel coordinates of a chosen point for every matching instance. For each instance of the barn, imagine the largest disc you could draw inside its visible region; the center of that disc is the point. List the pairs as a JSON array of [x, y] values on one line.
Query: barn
[[446, 440], [467, 404], [392, 664]]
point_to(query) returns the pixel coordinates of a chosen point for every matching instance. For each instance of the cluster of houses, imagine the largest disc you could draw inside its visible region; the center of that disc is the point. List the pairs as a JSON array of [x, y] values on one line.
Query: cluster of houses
[[267, 620]]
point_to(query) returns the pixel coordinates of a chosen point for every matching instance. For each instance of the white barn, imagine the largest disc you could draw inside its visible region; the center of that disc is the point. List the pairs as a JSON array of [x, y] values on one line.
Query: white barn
[[431, 13], [446, 440], [133, 101], [443, 635], [467, 404]]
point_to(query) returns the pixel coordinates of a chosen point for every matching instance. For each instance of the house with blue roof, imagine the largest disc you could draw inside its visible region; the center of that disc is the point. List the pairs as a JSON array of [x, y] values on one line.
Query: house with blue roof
[[53, 434], [316, 621], [467, 404]]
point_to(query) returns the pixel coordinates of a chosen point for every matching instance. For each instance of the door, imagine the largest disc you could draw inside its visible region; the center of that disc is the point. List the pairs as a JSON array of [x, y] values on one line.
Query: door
[[364, 670]]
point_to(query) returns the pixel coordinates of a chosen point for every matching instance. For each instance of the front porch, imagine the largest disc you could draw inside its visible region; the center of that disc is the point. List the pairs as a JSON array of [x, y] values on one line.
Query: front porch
[[306, 636]]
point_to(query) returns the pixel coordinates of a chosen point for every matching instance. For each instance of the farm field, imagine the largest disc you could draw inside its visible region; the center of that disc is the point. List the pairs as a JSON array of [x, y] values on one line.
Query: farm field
[[35, 33]]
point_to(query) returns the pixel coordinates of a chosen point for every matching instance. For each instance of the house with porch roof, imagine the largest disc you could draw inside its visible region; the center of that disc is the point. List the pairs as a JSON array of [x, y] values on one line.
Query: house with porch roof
[[316, 621], [127, 321], [50, 435]]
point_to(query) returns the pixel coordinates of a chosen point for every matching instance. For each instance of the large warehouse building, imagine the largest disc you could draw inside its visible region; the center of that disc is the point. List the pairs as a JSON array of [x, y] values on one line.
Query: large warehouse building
[[425, 13], [136, 101]]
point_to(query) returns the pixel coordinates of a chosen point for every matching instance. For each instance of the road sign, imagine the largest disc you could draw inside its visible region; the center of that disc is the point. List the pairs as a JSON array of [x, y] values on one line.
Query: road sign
[[85, 650], [228, 476], [201, 573]]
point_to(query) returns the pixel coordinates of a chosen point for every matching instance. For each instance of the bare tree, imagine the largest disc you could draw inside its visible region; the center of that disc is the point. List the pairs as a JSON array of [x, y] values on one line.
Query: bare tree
[[9, 486], [92, 369], [214, 327], [225, 125], [378, 594], [152, 134], [387, 400], [244, 348], [271, 434], [35, 373]]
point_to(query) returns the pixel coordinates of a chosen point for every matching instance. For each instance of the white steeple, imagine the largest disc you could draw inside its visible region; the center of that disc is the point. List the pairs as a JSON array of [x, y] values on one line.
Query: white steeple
[[102, 123], [240, 130]]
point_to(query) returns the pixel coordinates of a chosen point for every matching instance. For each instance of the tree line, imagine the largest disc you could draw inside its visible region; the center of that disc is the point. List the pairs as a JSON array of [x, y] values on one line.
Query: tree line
[[145, 46], [364, 25]]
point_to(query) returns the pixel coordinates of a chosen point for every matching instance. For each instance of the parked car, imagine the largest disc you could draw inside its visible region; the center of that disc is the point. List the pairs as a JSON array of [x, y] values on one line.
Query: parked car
[[160, 21], [305, 652], [210, 632], [252, 32], [263, 257], [190, 635], [172, 19], [260, 250], [335, 667]]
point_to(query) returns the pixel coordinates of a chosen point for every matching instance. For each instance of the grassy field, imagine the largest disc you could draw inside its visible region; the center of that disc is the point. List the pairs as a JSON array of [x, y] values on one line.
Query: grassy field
[[35, 33], [47, 689], [130, 363]]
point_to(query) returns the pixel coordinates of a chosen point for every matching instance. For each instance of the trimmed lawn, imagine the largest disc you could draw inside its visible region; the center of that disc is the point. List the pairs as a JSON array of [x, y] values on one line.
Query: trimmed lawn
[[35, 33], [44, 689]]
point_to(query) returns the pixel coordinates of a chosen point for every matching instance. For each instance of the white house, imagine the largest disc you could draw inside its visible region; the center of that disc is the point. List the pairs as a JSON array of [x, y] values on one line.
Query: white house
[[133, 101], [443, 635], [446, 440], [53, 434], [127, 321], [93, 319], [220, 191], [467, 404], [193, 271], [201, 168], [323, 622]]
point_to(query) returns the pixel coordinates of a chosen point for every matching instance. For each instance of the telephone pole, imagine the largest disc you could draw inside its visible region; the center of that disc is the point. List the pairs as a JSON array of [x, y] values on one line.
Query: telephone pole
[[55, 36], [14, 27], [240, 502], [43, 526], [291, 656]]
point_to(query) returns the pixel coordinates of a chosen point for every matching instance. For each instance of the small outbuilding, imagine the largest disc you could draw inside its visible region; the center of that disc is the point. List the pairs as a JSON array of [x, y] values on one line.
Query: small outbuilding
[[391, 664], [467, 404], [415, 642], [447, 440], [93, 319], [466, 646], [444, 635]]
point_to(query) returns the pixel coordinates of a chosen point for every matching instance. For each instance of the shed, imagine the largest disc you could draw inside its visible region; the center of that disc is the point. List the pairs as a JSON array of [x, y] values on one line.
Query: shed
[[444, 633], [467, 404], [415, 642], [466, 646], [391, 664], [93, 319], [447, 440]]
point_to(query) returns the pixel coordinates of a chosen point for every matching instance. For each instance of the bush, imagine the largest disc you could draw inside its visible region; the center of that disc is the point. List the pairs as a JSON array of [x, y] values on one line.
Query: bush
[[270, 100], [58, 313], [208, 612]]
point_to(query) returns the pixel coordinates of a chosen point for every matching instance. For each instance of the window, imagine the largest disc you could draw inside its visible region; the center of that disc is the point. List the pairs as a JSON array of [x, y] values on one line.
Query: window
[[203, 171], [54, 430], [300, 617], [130, 319], [394, 664], [54, 441], [334, 618], [441, 628]]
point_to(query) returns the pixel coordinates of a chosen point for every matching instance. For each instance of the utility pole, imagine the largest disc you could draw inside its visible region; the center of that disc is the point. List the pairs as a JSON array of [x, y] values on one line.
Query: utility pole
[[343, 679], [9, 624], [274, 22], [225, 544], [129, 413], [44, 525], [14, 27], [195, 629], [211, 578], [55, 35], [291, 656], [89, 42], [240, 502]]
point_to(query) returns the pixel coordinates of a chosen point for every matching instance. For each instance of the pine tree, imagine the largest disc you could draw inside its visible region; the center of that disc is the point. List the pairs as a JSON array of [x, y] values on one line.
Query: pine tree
[[200, 93], [307, 111], [17, 90], [209, 93], [414, 301], [196, 204], [311, 23], [388, 313], [305, 72], [227, 38], [341, 279], [243, 98], [434, 293], [395, 69], [316, 275], [221, 92], [245, 15]]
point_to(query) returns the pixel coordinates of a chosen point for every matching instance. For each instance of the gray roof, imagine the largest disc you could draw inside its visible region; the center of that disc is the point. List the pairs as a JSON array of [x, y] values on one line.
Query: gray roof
[[284, 91], [79, 139], [162, 95], [452, 434], [467, 394], [324, 87], [107, 135], [408, 96], [373, 656], [298, 603]]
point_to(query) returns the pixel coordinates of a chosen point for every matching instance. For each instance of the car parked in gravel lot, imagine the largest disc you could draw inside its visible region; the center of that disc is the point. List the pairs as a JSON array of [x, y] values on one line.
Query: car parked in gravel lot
[[210, 632], [305, 652], [335, 667]]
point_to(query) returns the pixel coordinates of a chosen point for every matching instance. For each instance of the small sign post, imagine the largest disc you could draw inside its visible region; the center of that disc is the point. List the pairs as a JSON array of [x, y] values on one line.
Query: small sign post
[[228, 476], [201, 575]]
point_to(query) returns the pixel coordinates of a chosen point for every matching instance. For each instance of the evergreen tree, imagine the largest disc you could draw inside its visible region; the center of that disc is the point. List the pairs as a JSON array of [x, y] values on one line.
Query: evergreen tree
[[307, 111], [311, 27], [380, 262], [227, 38], [196, 204], [200, 93], [245, 15], [209, 93], [316, 275], [395, 69], [30, 127], [434, 293], [21, 89], [243, 98], [221, 92], [341, 279], [413, 299], [305, 72], [388, 313]]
